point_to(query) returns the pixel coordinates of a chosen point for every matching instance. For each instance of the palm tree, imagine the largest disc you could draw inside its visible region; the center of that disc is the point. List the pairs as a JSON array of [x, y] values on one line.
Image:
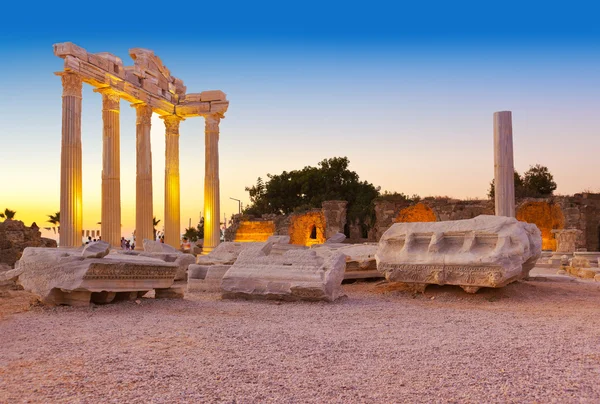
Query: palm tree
[[154, 224], [55, 220], [8, 214]]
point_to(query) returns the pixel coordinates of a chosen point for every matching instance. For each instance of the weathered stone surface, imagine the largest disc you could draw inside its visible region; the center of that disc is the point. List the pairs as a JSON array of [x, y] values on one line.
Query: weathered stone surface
[[279, 239], [96, 249], [206, 278], [298, 274], [15, 237], [487, 251], [225, 254], [566, 240], [152, 246], [336, 238], [360, 258], [64, 276]]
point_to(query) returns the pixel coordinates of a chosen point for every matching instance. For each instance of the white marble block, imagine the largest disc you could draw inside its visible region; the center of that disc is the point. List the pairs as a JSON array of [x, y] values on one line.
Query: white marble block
[[297, 274], [486, 251], [66, 276]]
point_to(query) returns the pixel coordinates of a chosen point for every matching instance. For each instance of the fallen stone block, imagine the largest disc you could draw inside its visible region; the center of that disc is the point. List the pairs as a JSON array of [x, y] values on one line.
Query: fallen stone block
[[336, 238], [486, 251], [96, 249], [279, 239], [206, 278], [152, 246], [64, 276], [360, 258], [297, 274], [225, 253]]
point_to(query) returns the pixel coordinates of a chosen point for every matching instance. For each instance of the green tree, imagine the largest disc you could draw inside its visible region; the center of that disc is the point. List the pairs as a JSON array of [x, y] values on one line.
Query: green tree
[[519, 189], [536, 182], [55, 220], [8, 214], [195, 233], [309, 187]]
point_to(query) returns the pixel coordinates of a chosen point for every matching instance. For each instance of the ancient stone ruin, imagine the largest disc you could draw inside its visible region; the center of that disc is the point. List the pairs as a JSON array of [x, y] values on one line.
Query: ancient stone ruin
[[297, 274], [77, 277], [487, 251], [15, 237], [151, 88]]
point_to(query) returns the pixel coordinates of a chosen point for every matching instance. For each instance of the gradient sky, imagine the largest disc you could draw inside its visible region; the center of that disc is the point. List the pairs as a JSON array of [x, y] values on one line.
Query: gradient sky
[[406, 92]]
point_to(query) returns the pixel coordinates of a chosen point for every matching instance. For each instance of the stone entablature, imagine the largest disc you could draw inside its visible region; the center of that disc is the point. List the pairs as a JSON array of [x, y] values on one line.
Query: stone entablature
[[146, 81]]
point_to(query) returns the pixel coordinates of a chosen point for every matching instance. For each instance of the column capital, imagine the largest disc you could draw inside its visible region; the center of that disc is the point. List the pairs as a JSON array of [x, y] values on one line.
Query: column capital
[[72, 83], [143, 113], [172, 123], [211, 123], [110, 98]]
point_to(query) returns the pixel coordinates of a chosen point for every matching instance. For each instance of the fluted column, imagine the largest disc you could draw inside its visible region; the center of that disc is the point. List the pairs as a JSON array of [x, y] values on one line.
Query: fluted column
[[143, 191], [111, 168], [504, 191], [212, 233], [70, 162], [172, 204]]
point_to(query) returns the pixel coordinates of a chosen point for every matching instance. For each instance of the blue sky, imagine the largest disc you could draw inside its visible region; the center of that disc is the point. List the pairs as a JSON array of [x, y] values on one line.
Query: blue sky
[[407, 92]]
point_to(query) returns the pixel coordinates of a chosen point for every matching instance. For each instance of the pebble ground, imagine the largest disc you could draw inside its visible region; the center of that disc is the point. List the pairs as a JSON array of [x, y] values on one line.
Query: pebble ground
[[533, 341]]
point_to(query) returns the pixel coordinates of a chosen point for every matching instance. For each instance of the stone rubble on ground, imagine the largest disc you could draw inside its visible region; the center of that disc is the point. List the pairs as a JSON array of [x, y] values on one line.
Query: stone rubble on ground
[[206, 278], [336, 238], [151, 246], [360, 258], [486, 251], [96, 249], [66, 276], [297, 274]]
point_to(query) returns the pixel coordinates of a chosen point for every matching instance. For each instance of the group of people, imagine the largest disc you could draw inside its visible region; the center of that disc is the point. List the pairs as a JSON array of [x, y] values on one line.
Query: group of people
[[126, 244], [130, 245]]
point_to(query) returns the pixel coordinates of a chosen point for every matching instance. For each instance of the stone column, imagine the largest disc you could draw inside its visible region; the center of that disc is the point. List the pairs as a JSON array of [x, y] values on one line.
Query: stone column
[[172, 204], [70, 162], [503, 165], [111, 168], [212, 233], [143, 184]]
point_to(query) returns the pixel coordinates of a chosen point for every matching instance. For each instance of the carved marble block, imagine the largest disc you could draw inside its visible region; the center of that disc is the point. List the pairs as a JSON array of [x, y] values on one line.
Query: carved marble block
[[68, 276], [297, 274], [486, 251]]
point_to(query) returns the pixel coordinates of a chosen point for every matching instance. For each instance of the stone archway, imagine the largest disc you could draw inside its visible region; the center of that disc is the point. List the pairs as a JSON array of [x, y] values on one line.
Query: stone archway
[[416, 213], [307, 229], [547, 216]]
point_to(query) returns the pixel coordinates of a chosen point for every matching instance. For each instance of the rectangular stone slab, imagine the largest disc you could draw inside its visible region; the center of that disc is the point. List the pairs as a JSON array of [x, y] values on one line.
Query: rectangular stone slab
[[486, 251]]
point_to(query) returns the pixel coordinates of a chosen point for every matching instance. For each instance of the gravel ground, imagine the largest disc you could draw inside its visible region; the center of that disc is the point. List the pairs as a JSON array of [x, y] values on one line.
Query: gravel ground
[[534, 341]]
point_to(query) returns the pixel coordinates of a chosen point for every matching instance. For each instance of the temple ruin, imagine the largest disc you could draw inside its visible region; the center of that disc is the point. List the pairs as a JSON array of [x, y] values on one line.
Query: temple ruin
[[151, 88]]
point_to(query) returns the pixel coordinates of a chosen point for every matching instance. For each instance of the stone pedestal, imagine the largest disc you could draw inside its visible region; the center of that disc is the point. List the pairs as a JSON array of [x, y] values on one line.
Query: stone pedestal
[[144, 228], [172, 203], [212, 233], [503, 164], [70, 168], [111, 168]]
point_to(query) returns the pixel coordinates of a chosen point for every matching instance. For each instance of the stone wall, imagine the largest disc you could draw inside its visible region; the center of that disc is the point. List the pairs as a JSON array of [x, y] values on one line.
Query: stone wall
[[335, 217], [579, 211], [254, 230], [15, 237], [307, 228]]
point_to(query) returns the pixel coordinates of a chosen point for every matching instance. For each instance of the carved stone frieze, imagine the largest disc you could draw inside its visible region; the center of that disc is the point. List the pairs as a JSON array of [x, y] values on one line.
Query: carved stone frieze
[[487, 251]]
